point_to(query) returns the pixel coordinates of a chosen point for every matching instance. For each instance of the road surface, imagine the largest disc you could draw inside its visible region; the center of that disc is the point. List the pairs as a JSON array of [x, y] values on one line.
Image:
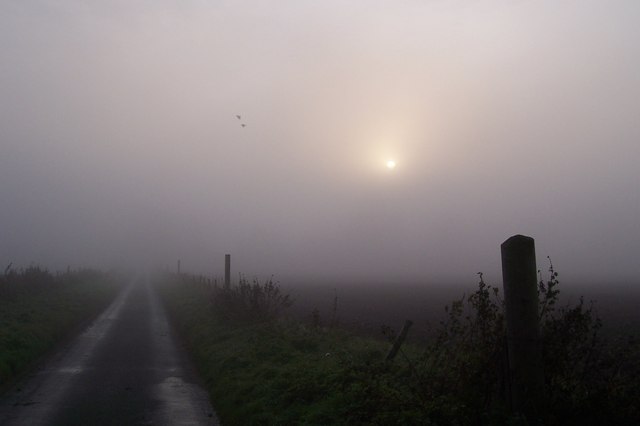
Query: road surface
[[126, 368]]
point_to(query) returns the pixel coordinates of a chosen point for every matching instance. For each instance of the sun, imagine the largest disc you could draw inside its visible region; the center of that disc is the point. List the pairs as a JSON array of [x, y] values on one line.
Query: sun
[[391, 164]]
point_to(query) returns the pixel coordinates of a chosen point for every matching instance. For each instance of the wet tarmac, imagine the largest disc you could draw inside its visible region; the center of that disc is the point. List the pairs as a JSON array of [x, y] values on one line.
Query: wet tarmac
[[126, 368]]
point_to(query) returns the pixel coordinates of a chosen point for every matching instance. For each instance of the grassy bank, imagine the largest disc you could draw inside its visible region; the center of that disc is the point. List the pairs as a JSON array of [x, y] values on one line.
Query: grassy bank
[[276, 372], [263, 370], [39, 309]]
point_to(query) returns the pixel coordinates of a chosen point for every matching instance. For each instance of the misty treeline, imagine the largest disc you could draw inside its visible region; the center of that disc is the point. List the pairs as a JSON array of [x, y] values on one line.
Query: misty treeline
[[460, 376]]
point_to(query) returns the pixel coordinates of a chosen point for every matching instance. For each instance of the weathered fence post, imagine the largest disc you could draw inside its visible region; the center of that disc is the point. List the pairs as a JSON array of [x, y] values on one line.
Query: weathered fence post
[[178, 265], [227, 270], [521, 310], [399, 340]]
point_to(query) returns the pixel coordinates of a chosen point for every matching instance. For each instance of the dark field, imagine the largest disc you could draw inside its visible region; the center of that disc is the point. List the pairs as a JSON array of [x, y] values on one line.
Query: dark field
[[367, 307]]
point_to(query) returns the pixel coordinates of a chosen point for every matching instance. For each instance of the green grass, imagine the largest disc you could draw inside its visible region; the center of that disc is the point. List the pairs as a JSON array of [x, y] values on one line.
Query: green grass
[[38, 310], [283, 373]]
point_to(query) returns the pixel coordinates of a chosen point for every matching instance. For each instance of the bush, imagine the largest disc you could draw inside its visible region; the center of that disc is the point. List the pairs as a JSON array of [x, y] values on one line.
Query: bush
[[462, 377], [249, 301], [584, 371], [245, 302]]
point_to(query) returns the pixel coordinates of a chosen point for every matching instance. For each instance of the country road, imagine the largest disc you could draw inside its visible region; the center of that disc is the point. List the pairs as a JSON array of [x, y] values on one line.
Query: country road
[[126, 368]]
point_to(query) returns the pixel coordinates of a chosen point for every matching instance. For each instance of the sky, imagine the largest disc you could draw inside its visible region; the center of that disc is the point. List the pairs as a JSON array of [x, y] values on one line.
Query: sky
[[120, 145]]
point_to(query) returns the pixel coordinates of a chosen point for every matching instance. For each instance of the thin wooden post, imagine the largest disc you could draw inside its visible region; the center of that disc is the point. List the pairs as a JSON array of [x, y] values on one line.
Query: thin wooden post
[[521, 311], [178, 265], [399, 340], [227, 270]]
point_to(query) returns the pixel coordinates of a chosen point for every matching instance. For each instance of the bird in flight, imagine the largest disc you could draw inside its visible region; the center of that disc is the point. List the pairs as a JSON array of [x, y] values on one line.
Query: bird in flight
[[238, 117]]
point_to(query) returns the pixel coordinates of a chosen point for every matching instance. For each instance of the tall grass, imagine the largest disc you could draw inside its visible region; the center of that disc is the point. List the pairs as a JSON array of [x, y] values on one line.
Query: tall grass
[[249, 301]]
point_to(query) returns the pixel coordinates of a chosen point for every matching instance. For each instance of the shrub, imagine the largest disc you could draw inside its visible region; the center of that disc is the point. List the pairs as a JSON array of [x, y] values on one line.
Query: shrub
[[462, 376], [245, 302]]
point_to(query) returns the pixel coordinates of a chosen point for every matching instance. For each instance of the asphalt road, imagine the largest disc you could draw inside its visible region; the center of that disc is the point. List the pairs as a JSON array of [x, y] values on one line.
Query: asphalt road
[[126, 368]]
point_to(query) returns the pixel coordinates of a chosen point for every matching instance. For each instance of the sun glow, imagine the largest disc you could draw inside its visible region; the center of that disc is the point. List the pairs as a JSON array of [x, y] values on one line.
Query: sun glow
[[391, 164]]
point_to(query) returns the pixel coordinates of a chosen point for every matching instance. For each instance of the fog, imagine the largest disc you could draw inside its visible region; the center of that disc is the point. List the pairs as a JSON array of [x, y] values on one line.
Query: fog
[[120, 144]]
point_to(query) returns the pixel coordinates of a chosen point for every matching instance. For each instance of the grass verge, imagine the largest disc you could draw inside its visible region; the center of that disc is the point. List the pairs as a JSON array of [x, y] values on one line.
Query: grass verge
[[38, 310], [281, 373]]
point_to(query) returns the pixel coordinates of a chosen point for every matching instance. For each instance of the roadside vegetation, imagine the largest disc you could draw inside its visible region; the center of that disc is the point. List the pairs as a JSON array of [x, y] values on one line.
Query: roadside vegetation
[[39, 309], [261, 368]]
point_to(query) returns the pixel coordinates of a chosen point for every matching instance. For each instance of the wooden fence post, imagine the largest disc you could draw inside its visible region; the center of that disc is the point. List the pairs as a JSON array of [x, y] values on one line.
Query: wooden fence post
[[521, 311], [178, 266], [399, 340], [227, 271]]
